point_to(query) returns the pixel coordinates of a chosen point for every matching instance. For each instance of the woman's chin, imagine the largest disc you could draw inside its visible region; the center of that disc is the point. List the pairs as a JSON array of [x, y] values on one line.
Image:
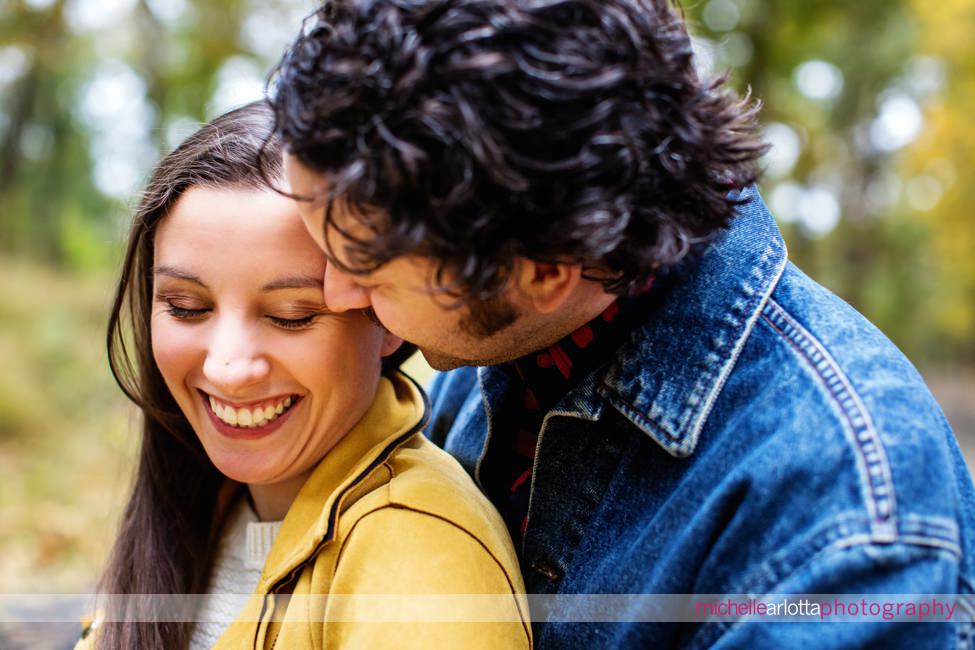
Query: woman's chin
[[254, 468]]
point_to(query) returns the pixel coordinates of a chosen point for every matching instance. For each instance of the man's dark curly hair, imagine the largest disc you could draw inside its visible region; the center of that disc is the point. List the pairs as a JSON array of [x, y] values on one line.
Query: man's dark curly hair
[[485, 130]]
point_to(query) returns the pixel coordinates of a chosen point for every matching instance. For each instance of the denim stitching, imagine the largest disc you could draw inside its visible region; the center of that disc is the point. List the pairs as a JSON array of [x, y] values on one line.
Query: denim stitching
[[754, 297], [636, 415], [839, 534], [966, 628], [870, 453], [709, 386], [719, 364], [842, 530]]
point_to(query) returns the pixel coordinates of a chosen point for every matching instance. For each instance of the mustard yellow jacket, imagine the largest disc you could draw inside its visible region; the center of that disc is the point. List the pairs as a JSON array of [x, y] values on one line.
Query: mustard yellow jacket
[[389, 544], [388, 531]]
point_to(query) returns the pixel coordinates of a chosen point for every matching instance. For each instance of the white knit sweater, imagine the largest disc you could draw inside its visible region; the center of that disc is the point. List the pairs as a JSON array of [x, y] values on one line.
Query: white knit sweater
[[244, 545]]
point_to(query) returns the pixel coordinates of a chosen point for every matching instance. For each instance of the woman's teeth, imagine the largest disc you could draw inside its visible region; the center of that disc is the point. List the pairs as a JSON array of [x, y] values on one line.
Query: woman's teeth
[[248, 418]]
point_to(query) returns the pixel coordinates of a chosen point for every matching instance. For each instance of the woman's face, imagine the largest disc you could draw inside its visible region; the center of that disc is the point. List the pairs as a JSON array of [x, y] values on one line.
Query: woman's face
[[269, 379]]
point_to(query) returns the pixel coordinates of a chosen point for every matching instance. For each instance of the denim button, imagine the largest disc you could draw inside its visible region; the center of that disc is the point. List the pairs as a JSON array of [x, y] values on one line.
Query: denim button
[[545, 569]]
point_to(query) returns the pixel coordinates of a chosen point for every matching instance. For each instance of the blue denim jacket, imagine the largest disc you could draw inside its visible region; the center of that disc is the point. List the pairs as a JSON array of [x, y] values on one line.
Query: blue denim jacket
[[755, 436]]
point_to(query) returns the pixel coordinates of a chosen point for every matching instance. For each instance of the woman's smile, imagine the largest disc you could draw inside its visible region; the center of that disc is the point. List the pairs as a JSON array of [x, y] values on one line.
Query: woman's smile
[[249, 421]]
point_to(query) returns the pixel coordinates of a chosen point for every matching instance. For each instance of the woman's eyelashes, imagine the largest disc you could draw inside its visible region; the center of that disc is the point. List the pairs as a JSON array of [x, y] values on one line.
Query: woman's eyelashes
[[295, 323], [183, 313], [181, 308], [296, 316]]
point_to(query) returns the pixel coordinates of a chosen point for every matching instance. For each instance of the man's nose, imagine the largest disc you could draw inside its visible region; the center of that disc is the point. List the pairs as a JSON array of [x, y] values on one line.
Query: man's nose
[[234, 361], [342, 292]]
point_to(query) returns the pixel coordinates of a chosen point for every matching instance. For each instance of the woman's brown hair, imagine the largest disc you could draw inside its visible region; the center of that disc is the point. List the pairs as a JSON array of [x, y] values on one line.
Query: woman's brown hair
[[165, 541]]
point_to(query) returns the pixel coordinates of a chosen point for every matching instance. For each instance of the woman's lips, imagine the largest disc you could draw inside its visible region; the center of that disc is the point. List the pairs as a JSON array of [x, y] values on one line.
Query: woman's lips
[[252, 421]]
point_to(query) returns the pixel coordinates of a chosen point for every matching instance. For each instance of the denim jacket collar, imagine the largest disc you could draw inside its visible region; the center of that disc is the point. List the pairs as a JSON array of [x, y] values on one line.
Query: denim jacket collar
[[695, 337], [693, 340]]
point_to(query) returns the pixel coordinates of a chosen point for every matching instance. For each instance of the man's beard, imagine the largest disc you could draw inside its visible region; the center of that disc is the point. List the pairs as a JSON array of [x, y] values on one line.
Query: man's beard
[[486, 317]]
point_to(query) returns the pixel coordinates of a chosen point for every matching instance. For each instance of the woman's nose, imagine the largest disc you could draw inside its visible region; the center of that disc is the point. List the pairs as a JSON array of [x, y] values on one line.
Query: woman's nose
[[342, 292], [234, 361]]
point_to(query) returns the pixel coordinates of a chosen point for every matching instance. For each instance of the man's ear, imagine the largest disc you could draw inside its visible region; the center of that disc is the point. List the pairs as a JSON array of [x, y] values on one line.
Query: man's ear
[[547, 285], [391, 343]]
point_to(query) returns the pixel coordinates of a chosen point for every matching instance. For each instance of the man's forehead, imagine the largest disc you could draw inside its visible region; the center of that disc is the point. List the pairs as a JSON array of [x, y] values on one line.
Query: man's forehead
[[312, 188], [361, 221], [305, 184]]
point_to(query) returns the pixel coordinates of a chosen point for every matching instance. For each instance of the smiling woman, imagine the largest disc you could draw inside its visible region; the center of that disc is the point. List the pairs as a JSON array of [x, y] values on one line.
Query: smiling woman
[[281, 454], [231, 334]]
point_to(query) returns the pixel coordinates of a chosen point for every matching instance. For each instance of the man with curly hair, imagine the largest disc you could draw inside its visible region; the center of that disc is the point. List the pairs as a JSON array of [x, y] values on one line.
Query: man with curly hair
[[548, 199]]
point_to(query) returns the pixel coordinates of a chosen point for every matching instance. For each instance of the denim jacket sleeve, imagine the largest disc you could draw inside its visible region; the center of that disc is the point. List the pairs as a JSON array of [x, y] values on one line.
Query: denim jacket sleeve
[[860, 490]]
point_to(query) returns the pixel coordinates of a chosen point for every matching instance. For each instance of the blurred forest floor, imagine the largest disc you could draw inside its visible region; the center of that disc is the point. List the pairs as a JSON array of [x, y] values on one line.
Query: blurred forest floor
[[65, 434], [68, 438]]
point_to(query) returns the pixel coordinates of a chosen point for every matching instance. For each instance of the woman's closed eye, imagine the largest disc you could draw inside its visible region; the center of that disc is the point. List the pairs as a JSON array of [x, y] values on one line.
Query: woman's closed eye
[[294, 323], [296, 316], [183, 307], [186, 314]]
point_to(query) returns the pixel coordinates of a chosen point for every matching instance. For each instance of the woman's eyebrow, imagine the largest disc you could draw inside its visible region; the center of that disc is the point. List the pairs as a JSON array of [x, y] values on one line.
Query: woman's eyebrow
[[178, 273], [295, 282]]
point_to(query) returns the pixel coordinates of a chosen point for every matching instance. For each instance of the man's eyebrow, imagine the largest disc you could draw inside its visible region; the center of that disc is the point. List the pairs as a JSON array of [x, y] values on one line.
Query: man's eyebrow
[[178, 273], [295, 282]]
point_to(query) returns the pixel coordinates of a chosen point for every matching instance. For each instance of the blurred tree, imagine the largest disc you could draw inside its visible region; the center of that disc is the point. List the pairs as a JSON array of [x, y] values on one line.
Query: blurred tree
[[92, 90], [40, 156], [846, 87], [940, 173]]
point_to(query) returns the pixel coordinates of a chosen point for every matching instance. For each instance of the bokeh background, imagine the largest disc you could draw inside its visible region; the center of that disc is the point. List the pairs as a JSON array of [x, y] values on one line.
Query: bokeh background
[[871, 175]]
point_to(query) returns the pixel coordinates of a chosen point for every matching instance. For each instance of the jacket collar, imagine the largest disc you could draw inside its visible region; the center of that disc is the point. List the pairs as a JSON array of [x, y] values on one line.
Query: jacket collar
[[667, 378], [399, 411]]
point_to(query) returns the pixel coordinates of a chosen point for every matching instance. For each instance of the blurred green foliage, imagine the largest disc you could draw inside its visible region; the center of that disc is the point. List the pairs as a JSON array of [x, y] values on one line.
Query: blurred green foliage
[[871, 176], [65, 431], [874, 194]]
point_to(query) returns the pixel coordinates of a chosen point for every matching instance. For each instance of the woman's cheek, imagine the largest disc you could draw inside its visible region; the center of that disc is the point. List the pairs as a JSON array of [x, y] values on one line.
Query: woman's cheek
[[174, 348]]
